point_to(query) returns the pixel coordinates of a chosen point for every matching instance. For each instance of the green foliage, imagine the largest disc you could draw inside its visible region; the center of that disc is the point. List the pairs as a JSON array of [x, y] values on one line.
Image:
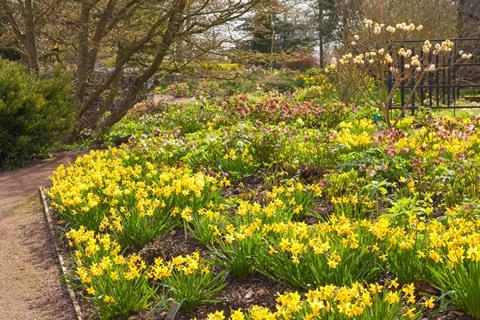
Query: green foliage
[[116, 285], [191, 290], [35, 113], [188, 280], [330, 256], [237, 254], [460, 284]]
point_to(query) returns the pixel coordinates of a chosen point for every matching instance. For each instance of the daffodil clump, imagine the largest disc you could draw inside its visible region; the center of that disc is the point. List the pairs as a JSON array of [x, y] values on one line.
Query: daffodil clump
[[116, 284], [307, 150], [205, 223], [112, 191], [358, 301], [453, 253], [236, 247], [239, 161], [314, 78], [238, 240], [340, 251], [355, 134], [189, 280], [404, 246], [354, 195], [292, 200], [444, 253]]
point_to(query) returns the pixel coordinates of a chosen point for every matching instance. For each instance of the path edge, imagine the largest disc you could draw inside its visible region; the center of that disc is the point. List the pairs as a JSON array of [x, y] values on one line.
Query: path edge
[[61, 260]]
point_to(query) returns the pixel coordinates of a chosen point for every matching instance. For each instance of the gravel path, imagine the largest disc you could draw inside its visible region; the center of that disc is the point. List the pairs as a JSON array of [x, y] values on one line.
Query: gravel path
[[30, 285]]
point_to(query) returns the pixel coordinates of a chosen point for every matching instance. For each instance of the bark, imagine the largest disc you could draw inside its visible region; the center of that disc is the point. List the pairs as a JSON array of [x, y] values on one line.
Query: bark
[[123, 56], [30, 36], [89, 49], [23, 12], [81, 75], [169, 36]]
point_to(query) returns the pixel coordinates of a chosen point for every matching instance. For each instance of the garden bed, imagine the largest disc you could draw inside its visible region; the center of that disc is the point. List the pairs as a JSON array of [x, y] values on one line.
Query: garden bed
[[278, 216]]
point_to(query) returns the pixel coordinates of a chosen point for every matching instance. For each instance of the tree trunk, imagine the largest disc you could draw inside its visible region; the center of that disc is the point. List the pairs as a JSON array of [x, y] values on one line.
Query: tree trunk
[[30, 36], [171, 33], [81, 74]]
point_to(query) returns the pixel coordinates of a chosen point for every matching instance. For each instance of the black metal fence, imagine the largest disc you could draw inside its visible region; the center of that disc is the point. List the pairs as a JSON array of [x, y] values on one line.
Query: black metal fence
[[454, 85]]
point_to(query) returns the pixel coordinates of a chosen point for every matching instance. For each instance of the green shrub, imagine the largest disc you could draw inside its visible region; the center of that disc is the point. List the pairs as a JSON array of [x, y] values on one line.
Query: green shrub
[[35, 112]]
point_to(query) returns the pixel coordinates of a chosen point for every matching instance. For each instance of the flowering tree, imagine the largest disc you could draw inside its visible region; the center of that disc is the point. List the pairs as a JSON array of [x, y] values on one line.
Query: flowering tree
[[380, 54]]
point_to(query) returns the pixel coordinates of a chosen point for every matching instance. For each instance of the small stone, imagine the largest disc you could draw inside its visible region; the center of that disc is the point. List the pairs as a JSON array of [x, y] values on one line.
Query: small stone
[[262, 292]]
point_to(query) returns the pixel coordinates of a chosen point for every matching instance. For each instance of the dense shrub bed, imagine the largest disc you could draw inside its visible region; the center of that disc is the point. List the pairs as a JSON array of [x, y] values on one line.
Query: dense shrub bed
[[35, 113], [355, 221]]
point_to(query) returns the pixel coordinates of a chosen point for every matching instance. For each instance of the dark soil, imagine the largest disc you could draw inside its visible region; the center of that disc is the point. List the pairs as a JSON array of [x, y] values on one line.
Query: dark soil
[[174, 243], [254, 290], [239, 294]]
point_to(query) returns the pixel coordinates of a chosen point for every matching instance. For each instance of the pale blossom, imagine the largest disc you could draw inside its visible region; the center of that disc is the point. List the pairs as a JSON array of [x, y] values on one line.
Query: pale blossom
[[388, 58], [426, 47], [391, 29], [415, 62], [368, 23]]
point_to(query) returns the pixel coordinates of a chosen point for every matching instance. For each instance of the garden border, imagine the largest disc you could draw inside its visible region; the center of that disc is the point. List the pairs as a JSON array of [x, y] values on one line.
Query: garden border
[[61, 260]]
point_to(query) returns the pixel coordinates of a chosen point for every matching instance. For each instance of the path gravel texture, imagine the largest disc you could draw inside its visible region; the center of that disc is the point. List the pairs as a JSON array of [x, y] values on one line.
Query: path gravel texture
[[30, 282]]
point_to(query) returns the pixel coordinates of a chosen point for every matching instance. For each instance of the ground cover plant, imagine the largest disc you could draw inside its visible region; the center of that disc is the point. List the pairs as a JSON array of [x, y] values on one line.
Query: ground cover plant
[[323, 208]]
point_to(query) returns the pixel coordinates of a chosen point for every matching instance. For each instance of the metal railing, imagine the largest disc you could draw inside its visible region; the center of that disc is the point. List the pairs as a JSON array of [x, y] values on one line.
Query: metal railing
[[444, 88]]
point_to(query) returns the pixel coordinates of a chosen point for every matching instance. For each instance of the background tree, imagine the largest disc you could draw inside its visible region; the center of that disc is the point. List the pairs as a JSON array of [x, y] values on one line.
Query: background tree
[[468, 14], [98, 40], [262, 26], [327, 18], [275, 32], [6, 51], [438, 17]]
